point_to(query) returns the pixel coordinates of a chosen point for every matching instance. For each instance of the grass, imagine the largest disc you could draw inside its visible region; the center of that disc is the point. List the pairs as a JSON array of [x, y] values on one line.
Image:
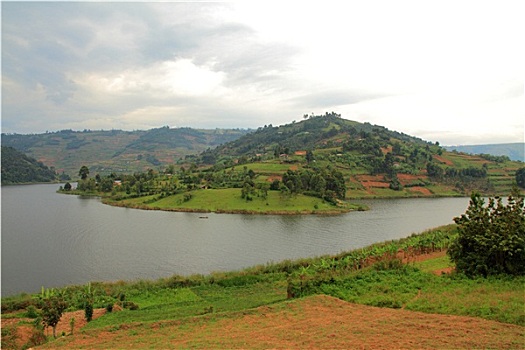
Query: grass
[[229, 200], [173, 304], [434, 264]]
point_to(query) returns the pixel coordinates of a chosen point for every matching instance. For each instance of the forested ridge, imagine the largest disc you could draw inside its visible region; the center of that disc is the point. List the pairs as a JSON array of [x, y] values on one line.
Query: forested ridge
[[18, 168], [117, 151]]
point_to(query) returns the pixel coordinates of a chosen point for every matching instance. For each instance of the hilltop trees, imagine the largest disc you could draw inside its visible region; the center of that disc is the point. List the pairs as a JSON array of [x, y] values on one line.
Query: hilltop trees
[[491, 238]]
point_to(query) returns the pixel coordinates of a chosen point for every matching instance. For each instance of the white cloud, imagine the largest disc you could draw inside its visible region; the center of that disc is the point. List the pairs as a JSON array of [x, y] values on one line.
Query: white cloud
[[447, 71], [180, 77]]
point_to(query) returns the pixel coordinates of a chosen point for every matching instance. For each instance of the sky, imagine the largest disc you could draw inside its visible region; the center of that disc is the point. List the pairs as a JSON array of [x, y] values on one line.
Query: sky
[[446, 71]]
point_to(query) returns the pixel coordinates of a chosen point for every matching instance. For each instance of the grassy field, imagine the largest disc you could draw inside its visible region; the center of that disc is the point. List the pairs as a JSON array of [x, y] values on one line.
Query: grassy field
[[229, 200]]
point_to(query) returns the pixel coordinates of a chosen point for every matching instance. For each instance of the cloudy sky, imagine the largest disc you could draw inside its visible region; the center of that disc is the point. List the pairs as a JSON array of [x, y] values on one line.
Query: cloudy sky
[[447, 71]]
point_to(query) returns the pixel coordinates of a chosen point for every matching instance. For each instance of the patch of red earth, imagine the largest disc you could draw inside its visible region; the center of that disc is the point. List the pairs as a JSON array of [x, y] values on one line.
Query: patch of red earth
[[442, 160], [386, 150], [372, 181], [362, 178], [293, 167], [422, 190], [274, 177], [376, 184]]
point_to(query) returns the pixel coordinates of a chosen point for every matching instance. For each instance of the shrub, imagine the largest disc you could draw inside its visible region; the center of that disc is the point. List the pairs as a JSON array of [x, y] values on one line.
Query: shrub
[[88, 311], [491, 239], [31, 312], [109, 307]]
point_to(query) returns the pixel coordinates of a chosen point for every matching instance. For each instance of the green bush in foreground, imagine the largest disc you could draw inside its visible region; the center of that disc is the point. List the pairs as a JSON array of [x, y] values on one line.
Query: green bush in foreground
[[491, 239]]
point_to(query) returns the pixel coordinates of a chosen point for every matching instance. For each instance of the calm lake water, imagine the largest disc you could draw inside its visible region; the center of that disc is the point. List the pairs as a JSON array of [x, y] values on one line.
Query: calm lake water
[[54, 240]]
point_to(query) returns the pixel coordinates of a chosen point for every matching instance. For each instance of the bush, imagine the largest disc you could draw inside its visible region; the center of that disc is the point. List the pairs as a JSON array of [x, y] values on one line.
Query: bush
[[491, 239], [109, 307], [88, 311], [31, 312]]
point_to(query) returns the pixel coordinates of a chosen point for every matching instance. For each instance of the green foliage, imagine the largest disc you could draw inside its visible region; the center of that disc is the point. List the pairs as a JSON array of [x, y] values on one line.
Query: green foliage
[[31, 312], [52, 311], [491, 238], [520, 177], [88, 297], [88, 311], [19, 168], [83, 172]]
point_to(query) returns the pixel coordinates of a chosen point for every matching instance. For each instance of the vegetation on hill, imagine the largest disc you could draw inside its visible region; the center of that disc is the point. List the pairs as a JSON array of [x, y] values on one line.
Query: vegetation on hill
[[18, 168], [117, 151], [318, 162]]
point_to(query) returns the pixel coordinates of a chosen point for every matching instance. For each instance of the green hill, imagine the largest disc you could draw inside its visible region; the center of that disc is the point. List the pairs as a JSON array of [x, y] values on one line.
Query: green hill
[[117, 151], [374, 161], [19, 168]]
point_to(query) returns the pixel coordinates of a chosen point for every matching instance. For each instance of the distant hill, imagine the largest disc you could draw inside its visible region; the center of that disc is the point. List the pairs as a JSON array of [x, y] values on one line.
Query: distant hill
[[18, 168], [117, 151], [515, 151]]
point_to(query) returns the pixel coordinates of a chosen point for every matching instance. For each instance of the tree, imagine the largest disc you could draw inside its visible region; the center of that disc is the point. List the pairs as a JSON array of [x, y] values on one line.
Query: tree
[[106, 184], [52, 311], [520, 177], [309, 156], [434, 170], [67, 186], [83, 172], [491, 239]]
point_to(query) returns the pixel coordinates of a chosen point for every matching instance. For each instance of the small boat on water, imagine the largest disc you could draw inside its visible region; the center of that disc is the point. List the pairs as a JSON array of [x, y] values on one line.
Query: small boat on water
[[203, 217]]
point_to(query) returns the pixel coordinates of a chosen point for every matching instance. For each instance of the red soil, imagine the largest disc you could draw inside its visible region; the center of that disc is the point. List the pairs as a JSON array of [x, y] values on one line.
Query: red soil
[[443, 160], [422, 190]]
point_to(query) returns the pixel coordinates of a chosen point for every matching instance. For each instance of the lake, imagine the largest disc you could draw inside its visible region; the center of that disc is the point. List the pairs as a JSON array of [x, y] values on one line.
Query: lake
[[52, 240]]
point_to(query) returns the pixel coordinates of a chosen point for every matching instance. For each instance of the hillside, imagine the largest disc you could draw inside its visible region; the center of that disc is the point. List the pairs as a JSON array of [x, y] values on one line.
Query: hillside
[[18, 168], [115, 150], [515, 151], [374, 161]]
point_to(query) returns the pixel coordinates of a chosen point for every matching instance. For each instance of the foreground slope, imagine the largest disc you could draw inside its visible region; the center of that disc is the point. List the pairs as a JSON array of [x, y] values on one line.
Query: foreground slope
[[316, 322]]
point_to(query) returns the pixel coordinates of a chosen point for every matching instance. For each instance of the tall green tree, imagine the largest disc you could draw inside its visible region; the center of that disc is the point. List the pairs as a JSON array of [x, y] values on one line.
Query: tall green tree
[[83, 172], [52, 311], [491, 238]]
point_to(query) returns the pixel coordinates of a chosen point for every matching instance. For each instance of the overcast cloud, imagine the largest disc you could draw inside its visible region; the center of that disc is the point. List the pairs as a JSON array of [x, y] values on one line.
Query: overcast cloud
[[447, 71]]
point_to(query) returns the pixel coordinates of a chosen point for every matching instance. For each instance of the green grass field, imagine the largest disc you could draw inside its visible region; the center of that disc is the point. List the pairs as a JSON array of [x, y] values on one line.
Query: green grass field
[[229, 200]]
